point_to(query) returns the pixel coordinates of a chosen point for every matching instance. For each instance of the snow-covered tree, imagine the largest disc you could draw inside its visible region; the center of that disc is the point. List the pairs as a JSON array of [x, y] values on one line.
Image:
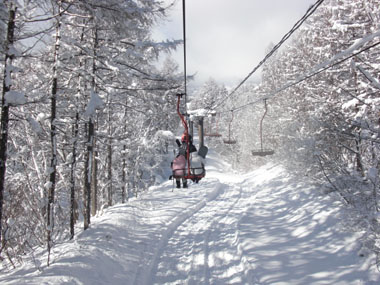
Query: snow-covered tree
[[332, 129], [86, 48], [8, 96]]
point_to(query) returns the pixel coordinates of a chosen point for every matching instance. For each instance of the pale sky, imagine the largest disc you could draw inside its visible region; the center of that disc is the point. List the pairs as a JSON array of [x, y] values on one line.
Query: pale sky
[[226, 39]]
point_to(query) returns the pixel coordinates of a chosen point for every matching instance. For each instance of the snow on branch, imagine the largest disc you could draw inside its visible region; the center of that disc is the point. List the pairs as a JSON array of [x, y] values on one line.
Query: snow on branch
[[373, 80], [165, 135], [356, 45], [95, 103], [200, 113], [14, 98], [35, 126], [338, 58]]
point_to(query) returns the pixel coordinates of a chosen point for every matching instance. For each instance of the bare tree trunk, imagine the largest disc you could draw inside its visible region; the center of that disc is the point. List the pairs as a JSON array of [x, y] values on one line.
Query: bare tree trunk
[[358, 141], [80, 91], [109, 174], [95, 154], [72, 177], [94, 184], [376, 164], [359, 164], [5, 112], [88, 171], [124, 193], [53, 138], [90, 143], [123, 190], [109, 151]]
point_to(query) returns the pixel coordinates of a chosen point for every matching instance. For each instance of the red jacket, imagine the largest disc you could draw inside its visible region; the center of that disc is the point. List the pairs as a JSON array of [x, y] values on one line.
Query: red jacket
[[179, 166]]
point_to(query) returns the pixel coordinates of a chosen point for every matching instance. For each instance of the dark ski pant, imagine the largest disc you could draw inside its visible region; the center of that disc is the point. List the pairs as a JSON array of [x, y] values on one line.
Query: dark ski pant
[[178, 182]]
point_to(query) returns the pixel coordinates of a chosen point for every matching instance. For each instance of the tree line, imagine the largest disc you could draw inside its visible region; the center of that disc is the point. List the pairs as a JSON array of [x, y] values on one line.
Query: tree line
[[327, 127], [82, 103]]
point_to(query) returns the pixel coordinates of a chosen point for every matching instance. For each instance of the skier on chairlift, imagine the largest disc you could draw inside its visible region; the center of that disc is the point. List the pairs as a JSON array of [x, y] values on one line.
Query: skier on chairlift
[[179, 162], [182, 145]]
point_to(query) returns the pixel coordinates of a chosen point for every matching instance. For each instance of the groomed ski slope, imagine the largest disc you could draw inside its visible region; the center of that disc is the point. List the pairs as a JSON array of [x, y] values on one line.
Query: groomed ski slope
[[263, 227]]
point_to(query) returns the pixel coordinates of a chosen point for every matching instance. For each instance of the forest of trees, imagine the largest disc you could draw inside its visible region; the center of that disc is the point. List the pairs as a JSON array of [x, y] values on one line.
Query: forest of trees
[[83, 106], [327, 127]]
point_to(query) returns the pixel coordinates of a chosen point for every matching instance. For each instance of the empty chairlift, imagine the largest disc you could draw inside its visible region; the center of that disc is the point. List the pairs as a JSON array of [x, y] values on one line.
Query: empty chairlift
[[229, 140], [262, 151], [214, 134]]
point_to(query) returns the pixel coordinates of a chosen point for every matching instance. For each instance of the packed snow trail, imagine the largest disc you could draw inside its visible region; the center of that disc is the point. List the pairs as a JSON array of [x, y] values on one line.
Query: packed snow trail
[[263, 227]]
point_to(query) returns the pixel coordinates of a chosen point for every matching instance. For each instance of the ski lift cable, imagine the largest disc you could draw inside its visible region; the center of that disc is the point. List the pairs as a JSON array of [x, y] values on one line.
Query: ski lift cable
[[322, 67], [308, 13], [184, 49]]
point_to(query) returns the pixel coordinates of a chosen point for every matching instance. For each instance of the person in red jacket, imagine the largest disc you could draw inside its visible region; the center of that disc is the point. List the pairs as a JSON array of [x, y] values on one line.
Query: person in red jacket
[[182, 146], [179, 170], [179, 164]]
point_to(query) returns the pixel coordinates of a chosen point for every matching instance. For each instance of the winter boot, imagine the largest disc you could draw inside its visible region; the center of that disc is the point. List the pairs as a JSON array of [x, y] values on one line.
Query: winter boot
[[178, 183], [184, 184]]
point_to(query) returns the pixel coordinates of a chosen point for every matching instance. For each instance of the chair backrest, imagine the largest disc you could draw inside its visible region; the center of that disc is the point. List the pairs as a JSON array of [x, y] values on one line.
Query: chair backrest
[[202, 152]]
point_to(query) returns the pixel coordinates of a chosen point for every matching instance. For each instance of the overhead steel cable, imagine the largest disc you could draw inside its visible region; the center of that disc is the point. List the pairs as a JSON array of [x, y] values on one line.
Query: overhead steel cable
[[308, 13], [184, 48], [336, 60]]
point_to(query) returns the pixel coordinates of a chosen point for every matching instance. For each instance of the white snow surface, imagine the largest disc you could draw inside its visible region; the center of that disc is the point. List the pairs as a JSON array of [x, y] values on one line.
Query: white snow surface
[[199, 113], [262, 227], [14, 98], [167, 135], [373, 80], [35, 125], [95, 103]]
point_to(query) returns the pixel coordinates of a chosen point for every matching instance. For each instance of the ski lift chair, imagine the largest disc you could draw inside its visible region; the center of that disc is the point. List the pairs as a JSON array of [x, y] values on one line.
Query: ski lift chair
[[229, 140], [262, 151], [193, 173], [215, 134], [196, 173]]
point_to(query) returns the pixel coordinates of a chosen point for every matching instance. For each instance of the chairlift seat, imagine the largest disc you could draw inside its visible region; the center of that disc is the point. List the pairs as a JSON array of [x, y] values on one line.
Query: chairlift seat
[[215, 135], [263, 152], [229, 141], [196, 173], [193, 173]]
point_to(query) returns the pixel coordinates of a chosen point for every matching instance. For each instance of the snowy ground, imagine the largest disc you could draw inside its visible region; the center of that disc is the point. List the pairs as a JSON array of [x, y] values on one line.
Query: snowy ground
[[264, 227]]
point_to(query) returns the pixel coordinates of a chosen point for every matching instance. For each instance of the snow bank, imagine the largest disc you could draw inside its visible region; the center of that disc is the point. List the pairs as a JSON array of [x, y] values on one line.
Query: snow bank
[[95, 103], [263, 227], [166, 135], [35, 125], [14, 98], [200, 113]]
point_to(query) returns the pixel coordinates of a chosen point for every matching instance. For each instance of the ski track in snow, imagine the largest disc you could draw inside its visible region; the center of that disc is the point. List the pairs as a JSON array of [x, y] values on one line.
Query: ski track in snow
[[171, 228], [205, 239], [263, 227], [206, 248]]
